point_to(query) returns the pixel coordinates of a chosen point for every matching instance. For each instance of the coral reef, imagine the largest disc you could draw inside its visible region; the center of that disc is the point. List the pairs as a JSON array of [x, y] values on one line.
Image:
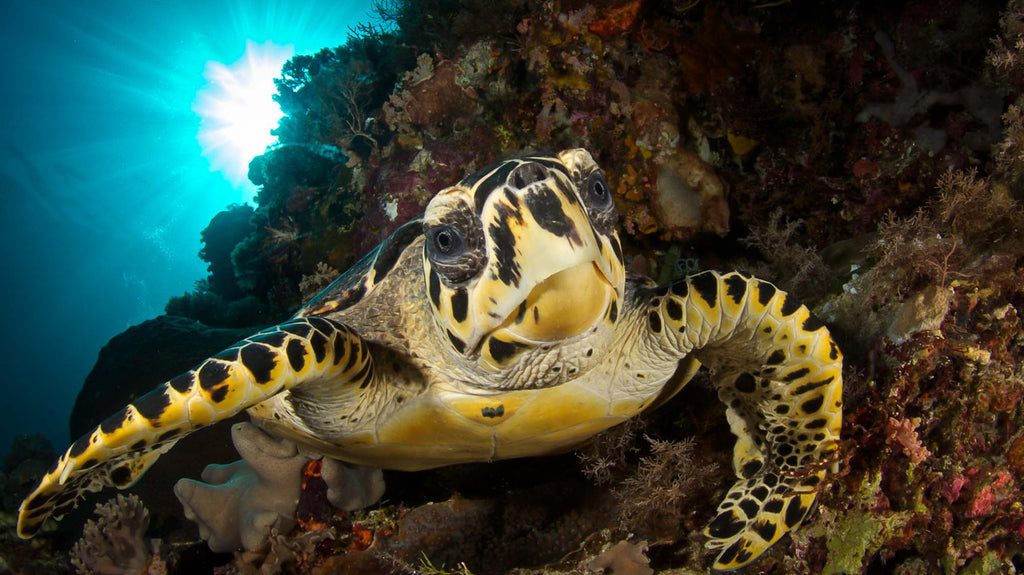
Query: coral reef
[[867, 157]]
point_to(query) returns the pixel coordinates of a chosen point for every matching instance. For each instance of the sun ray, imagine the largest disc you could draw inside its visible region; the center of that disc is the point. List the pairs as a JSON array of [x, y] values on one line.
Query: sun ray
[[237, 110]]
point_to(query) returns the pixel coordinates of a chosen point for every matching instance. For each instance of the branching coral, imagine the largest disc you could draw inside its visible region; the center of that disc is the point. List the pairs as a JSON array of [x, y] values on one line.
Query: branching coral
[[318, 280], [794, 267], [932, 246], [663, 479], [115, 543]]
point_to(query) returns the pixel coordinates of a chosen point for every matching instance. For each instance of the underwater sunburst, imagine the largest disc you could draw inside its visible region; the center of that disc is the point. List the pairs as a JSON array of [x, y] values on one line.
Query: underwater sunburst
[[237, 110]]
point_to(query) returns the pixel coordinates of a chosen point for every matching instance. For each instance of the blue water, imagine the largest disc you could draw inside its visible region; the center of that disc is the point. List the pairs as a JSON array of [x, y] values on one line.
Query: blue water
[[104, 185]]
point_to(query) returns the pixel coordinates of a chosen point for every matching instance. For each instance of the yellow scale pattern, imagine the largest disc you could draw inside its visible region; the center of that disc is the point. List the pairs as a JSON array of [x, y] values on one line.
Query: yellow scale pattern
[[123, 447], [780, 372]]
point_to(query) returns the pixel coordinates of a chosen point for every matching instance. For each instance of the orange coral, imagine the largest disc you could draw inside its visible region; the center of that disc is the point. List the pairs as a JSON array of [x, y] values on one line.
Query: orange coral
[[617, 21]]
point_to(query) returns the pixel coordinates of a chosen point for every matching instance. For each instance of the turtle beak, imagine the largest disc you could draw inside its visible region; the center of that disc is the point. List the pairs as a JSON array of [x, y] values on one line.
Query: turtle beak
[[564, 305]]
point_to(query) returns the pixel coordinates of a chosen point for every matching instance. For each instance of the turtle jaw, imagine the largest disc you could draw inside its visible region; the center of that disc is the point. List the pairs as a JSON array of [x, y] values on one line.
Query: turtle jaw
[[566, 304], [563, 305]]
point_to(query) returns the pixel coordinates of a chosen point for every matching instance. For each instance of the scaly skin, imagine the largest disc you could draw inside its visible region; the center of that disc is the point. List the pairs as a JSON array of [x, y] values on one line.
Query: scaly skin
[[503, 324]]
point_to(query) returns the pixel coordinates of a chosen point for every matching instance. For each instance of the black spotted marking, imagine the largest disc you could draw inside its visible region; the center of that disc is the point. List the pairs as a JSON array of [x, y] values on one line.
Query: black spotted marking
[[491, 412], [219, 394], [751, 468], [745, 383], [707, 287], [434, 289], [460, 305], [121, 476], [509, 272], [770, 479], [674, 310], [296, 353], [795, 513], [812, 405], [322, 325], [513, 202], [353, 355], [183, 382], [521, 313], [812, 385], [817, 423], [735, 288], [38, 501], [112, 423], [765, 292], [364, 376], [766, 529], [782, 409], [784, 449], [617, 248], [260, 361], [134, 447], [730, 554], [654, 321], [613, 311], [153, 404], [726, 525], [789, 305], [778, 356], [167, 435], [744, 555], [680, 288], [319, 344], [812, 323], [774, 506], [298, 329], [833, 350], [547, 210], [795, 375], [458, 344], [273, 339], [486, 181], [212, 374], [501, 350], [393, 247], [527, 173], [750, 507]]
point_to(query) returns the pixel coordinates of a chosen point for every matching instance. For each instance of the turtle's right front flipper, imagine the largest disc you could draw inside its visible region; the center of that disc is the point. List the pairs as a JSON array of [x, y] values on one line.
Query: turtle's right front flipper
[[126, 444]]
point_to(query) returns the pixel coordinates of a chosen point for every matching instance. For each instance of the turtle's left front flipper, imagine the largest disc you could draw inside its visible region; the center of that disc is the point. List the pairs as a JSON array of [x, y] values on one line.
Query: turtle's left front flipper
[[119, 450], [780, 375]]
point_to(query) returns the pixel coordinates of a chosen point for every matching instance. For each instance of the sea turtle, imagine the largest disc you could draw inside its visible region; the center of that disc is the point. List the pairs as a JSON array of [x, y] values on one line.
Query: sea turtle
[[503, 323]]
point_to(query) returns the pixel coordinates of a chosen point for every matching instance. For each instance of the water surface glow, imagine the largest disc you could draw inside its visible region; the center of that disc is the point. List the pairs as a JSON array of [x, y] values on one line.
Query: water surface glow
[[105, 184], [237, 110]]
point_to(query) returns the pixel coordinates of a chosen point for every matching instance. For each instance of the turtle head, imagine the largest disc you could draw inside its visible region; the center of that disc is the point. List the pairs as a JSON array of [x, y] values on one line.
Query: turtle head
[[523, 254]]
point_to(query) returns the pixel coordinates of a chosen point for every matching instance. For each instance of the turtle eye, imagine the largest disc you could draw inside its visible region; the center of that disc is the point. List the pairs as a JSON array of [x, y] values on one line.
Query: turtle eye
[[446, 242], [598, 195]]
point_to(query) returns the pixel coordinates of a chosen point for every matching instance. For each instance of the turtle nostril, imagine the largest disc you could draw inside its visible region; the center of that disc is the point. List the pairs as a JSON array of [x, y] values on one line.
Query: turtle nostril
[[526, 174]]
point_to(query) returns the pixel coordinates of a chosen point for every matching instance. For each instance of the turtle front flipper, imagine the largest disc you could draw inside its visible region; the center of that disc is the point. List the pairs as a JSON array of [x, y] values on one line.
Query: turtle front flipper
[[119, 450], [780, 374]]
